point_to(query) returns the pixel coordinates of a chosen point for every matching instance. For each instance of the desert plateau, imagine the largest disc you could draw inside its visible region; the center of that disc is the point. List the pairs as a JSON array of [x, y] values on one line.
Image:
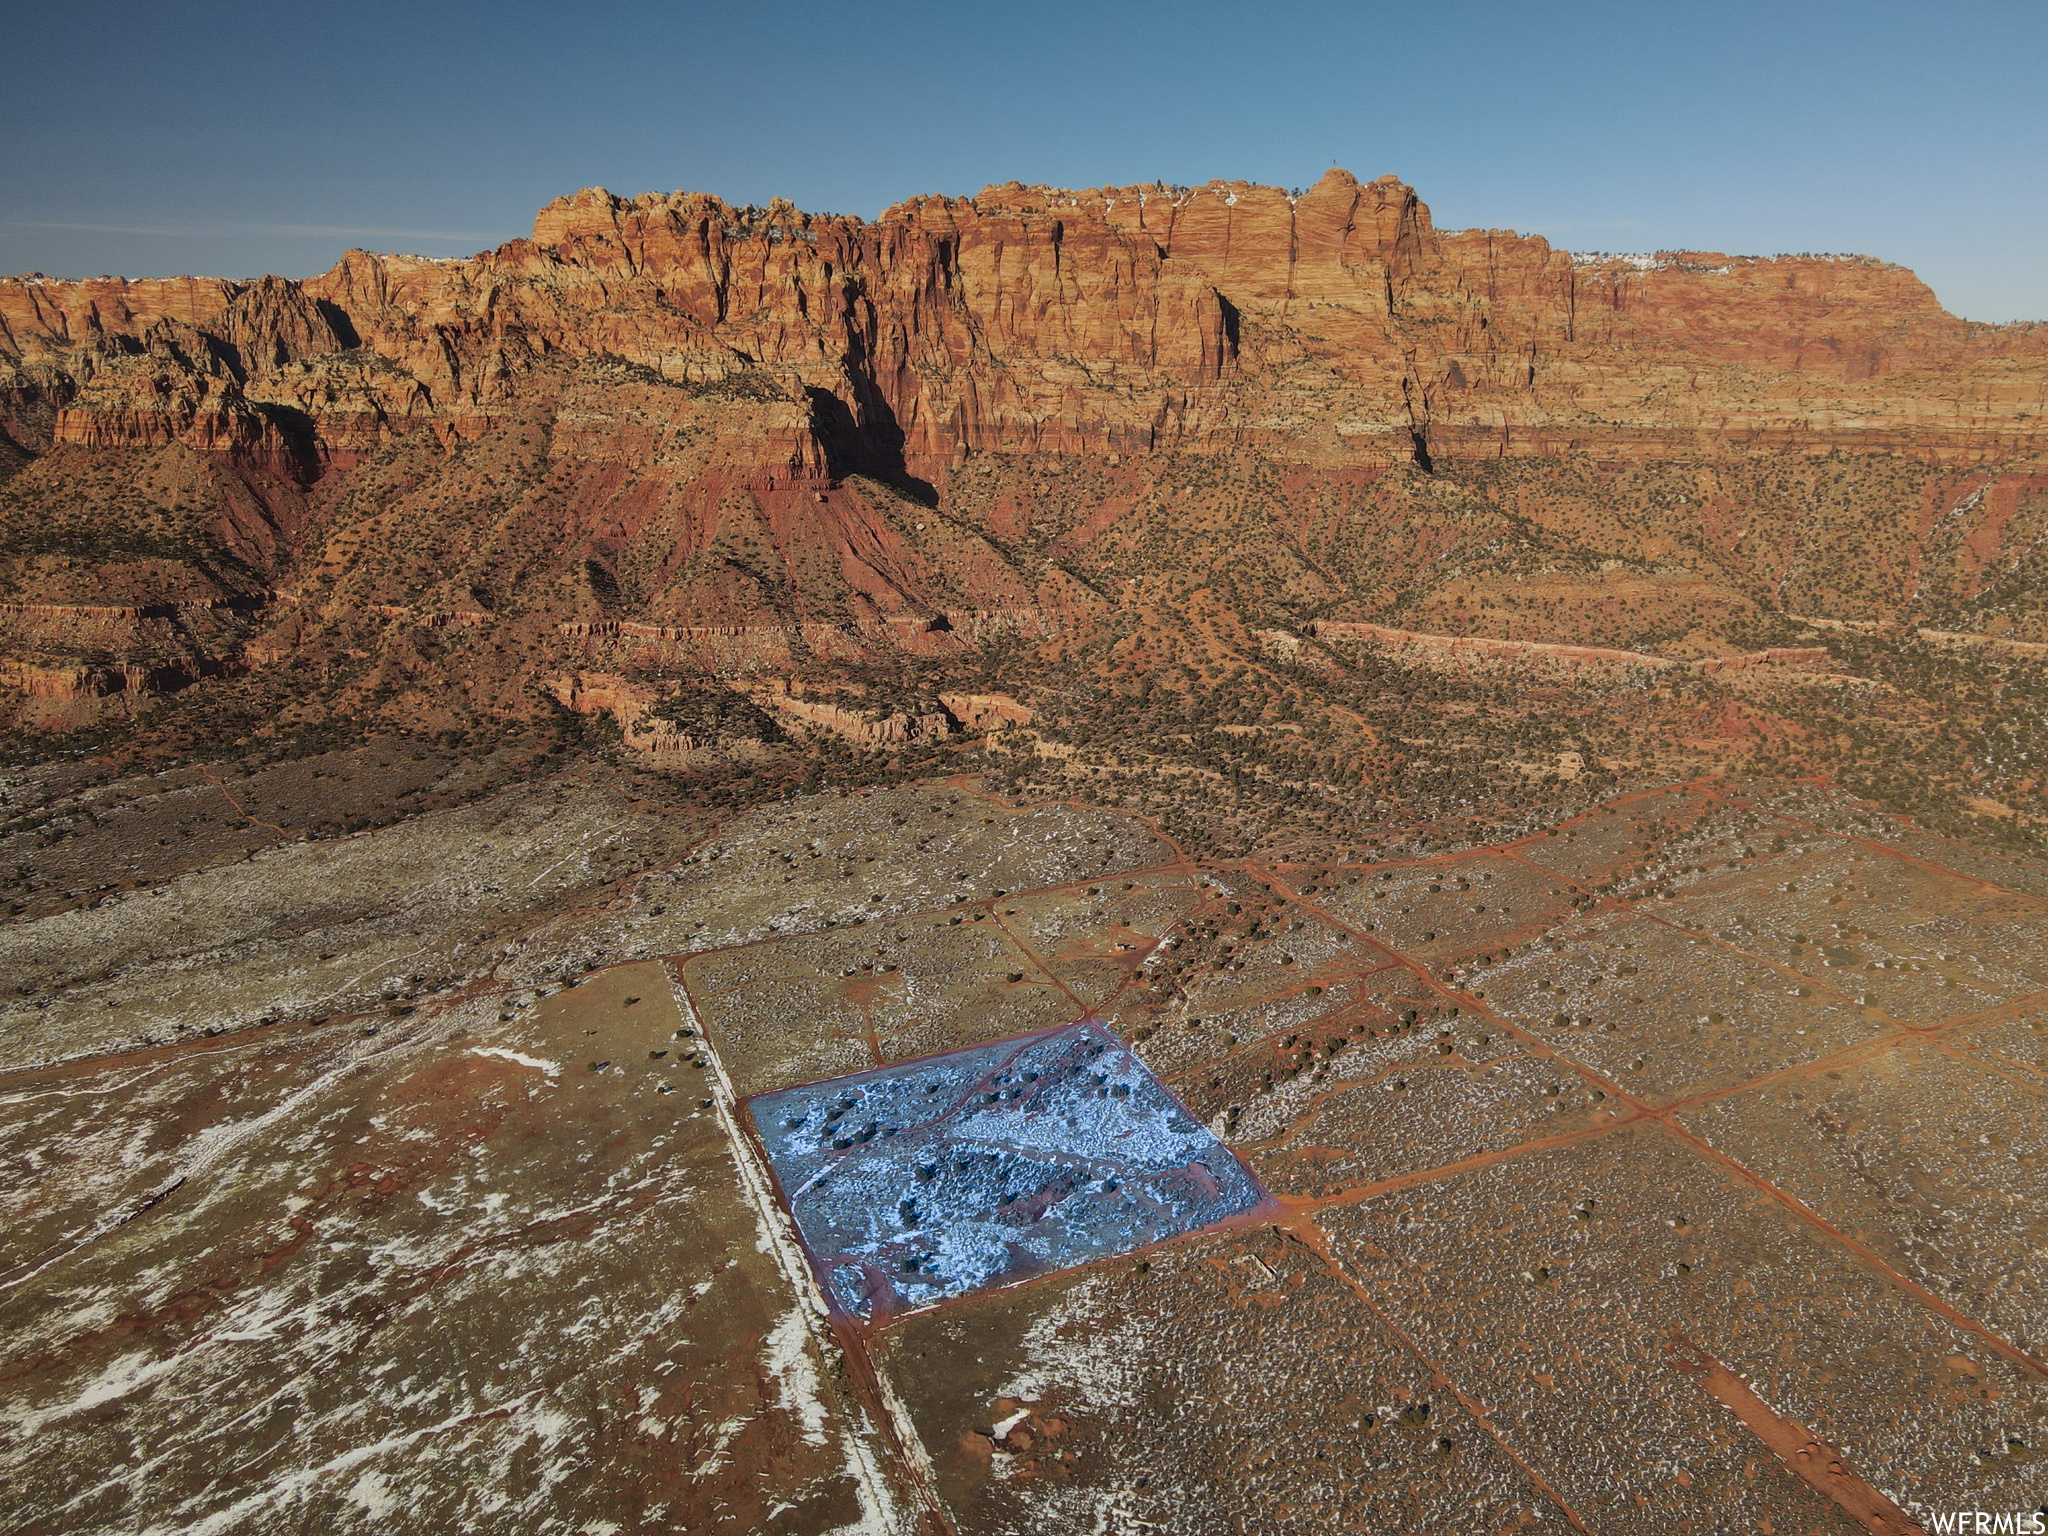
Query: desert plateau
[[1153, 858]]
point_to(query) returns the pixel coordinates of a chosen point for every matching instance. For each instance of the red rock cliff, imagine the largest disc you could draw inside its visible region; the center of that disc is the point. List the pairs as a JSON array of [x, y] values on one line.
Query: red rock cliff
[[633, 440], [1335, 326]]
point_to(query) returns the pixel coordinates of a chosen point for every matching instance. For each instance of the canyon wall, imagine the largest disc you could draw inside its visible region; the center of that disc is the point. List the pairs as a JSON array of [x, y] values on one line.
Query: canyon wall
[[666, 432], [1334, 326]]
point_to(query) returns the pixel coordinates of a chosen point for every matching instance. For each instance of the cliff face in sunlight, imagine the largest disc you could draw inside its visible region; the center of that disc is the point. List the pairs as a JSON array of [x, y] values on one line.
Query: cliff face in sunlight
[[671, 431]]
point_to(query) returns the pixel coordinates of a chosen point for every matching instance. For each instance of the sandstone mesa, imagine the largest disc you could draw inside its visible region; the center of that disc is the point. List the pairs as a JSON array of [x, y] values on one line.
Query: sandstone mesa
[[639, 436]]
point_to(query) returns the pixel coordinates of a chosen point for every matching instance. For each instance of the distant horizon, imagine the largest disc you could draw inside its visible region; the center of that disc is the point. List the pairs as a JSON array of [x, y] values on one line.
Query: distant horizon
[[233, 138]]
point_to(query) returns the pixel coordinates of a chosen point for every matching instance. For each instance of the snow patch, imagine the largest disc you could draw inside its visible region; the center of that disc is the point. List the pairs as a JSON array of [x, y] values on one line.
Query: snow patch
[[787, 1356], [374, 1495]]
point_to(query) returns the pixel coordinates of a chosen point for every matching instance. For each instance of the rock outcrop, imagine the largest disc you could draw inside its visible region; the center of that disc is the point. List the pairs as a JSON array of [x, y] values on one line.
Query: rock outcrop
[[850, 715], [665, 434], [1334, 325], [1484, 647]]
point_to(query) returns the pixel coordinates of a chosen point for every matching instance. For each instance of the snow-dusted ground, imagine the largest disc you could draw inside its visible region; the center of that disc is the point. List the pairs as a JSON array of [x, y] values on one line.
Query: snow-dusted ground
[[491, 1246]]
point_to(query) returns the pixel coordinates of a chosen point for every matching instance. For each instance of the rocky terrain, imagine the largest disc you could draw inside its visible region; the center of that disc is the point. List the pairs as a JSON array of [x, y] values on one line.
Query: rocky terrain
[[671, 441], [750, 485]]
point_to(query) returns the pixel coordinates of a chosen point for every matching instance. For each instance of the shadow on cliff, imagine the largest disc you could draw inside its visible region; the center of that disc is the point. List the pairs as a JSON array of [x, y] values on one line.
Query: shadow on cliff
[[873, 447]]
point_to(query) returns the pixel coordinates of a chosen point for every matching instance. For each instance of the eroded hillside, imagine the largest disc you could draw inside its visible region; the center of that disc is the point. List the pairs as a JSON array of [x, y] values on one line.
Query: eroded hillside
[[754, 487]]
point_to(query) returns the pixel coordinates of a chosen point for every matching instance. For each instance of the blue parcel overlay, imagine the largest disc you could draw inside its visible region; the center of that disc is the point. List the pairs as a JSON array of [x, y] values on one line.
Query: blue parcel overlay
[[915, 1183]]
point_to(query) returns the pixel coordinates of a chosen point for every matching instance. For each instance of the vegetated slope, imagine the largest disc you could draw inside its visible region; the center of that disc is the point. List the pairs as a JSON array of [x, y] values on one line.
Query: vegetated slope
[[1069, 444]]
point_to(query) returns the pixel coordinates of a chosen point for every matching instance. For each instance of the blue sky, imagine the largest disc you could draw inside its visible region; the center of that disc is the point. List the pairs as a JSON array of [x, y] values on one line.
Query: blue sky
[[238, 139]]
